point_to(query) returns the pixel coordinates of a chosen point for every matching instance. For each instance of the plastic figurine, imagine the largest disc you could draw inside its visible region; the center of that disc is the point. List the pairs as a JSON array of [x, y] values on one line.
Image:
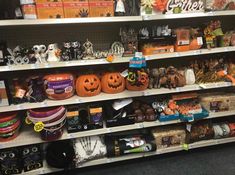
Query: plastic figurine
[[120, 8], [76, 50], [88, 50], [66, 52], [53, 53], [43, 54], [37, 56], [117, 49]]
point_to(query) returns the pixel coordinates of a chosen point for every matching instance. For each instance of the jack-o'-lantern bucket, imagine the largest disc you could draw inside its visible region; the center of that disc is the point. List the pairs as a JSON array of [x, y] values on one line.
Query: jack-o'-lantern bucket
[[48, 121], [88, 85], [112, 83]]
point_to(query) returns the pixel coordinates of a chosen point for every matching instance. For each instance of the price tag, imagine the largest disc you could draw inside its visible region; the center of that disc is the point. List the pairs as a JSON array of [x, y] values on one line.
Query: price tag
[[78, 101], [44, 104], [226, 49], [146, 93], [140, 125], [199, 41], [47, 65], [109, 130], [177, 54], [124, 73], [146, 17], [27, 121], [178, 89], [33, 66], [19, 107], [185, 147], [188, 127], [38, 126], [109, 160]]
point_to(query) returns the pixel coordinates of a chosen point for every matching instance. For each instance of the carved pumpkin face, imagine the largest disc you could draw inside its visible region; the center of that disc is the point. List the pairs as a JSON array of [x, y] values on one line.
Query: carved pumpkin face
[[112, 83], [88, 85]]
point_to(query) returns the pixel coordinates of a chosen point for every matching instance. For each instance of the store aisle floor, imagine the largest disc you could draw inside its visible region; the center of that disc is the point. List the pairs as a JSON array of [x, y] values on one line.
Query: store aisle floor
[[217, 160]]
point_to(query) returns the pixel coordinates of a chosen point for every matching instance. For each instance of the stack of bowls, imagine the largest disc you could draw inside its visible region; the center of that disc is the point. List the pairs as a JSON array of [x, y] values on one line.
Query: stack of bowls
[[53, 119], [9, 126]]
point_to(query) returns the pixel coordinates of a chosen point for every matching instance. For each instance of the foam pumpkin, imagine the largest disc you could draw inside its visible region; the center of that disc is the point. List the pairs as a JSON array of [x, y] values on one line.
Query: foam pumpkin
[[88, 85], [112, 83]]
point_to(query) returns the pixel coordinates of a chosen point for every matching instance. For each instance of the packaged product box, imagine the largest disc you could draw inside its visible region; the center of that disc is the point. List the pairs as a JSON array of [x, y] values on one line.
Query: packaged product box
[[29, 11], [76, 8], [49, 9], [169, 136], [3, 94], [101, 8], [218, 102]]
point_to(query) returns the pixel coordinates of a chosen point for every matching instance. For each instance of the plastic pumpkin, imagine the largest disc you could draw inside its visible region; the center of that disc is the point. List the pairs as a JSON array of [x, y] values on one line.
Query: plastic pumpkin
[[112, 83], [88, 85], [194, 45], [142, 82]]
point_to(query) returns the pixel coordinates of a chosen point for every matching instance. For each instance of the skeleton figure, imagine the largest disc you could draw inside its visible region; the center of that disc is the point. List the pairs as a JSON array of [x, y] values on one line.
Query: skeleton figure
[[88, 52], [36, 49]]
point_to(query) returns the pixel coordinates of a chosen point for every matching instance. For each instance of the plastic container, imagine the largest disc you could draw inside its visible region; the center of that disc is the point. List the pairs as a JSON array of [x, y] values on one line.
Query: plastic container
[[197, 116], [165, 118]]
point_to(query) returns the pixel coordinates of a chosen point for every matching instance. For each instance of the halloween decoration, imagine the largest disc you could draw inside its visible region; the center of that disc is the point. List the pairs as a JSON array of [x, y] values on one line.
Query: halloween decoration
[[48, 121], [201, 130], [76, 50], [88, 50], [153, 78], [190, 77], [32, 157], [53, 53], [10, 162], [82, 118], [129, 144], [112, 83], [182, 39], [196, 41], [137, 80], [88, 85], [169, 136], [148, 6], [59, 86], [88, 148], [60, 154], [221, 130], [143, 112], [213, 5], [119, 113], [9, 126], [66, 52], [127, 8], [129, 40], [117, 49], [35, 89]]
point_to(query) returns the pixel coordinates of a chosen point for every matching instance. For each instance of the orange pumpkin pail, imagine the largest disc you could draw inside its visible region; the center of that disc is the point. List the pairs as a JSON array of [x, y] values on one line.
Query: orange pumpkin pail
[[88, 85]]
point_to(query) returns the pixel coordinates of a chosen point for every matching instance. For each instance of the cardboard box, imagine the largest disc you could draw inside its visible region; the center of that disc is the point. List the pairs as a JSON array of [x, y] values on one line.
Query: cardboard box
[[101, 8], [49, 9], [3, 94], [29, 11], [76, 8]]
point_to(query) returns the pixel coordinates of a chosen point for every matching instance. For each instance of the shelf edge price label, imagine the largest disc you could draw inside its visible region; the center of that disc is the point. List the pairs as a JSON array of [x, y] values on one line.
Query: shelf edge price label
[[39, 126], [185, 147]]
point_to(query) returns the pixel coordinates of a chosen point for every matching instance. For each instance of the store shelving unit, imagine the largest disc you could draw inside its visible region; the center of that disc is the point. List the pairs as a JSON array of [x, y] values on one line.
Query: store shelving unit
[[28, 137], [103, 96], [177, 55], [195, 145]]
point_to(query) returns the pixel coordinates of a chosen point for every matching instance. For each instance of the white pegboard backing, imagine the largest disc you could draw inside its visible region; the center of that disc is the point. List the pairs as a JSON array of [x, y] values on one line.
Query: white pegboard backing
[[101, 35]]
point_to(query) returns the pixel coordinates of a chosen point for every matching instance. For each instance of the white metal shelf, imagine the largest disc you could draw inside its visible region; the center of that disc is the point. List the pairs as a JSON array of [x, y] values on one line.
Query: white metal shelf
[[116, 60], [28, 22], [189, 15], [200, 144], [103, 96], [28, 136]]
